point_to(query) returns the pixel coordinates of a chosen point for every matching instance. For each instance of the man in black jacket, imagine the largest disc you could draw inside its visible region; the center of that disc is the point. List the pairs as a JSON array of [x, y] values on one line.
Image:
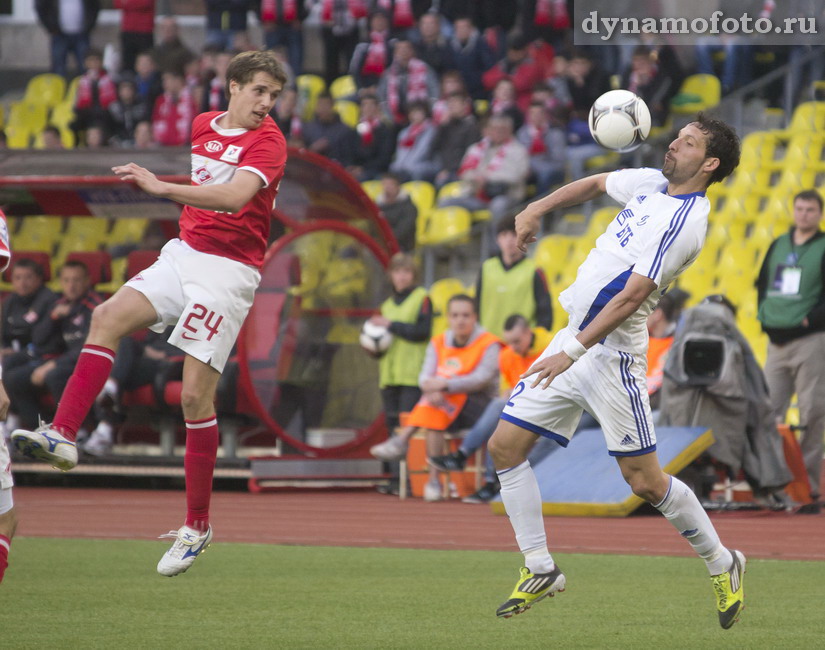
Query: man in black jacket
[[28, 303], [69, 29], [58, 339]]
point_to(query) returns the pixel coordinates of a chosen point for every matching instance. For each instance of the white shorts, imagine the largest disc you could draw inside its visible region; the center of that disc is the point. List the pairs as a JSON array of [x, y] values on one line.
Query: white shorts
[[5, 466], [609, 384], [206, 297]]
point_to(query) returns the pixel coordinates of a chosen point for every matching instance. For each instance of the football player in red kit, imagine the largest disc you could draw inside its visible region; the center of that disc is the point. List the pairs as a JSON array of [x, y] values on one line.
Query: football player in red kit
[[203, 284]]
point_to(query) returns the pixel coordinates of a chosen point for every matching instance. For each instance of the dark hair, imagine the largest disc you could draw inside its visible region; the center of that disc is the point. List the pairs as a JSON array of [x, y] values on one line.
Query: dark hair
[[722, 143], [641, 50], [243, 66], [93, 51], [672, 303], [506, 224], [369, 97], [809, 195], [515, 320], [75, 264], [462, 297], [719, 299], [419, 106], [392, 175], [29, 263]]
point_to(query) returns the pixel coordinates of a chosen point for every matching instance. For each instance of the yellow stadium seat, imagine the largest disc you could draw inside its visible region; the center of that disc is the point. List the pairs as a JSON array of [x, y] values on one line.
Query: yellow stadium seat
[[808, 116], [450, 190], [440, 293], [18, 136], [32, 116], [348, 111], [705, 87], [2, 116], [62, 115], [38, 234], [71, 91], [309, 87], [343, 87], [698, 282], [445, 226], [372, 189], [87, 229], [127, 231], [758, 149], [422, 194], [47, 89]]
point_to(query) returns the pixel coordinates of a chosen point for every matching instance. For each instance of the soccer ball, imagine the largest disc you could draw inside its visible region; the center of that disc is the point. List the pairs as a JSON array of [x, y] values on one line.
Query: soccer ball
[[375, 339], [619, 120]]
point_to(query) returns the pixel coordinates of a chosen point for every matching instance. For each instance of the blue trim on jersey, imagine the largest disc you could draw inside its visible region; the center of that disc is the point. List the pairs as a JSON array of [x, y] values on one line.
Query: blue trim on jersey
[[534, 428], [635, 396], [639, 452], [676, 223], [683, 196], [605, 295]]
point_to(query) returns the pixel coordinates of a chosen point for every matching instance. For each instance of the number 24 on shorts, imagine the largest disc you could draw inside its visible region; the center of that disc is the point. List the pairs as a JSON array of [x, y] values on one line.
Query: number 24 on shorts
[[209, 319]]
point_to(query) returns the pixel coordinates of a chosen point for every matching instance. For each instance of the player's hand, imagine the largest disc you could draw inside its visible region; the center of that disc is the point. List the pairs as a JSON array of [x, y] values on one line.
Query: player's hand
[[527, 225], [548, 369], [380, 321], [4, 402], [61, 311], [141, 177], [434, 398]]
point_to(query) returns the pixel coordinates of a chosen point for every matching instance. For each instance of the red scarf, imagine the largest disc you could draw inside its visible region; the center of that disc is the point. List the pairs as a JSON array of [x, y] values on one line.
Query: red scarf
[[366, 129], [279, 11], [296, 127], [172, 118], [478, 152], [551, 13], [440, 112], [400, 11], [499, 106], [106, 90], [358, 9], [416, 87], [537, 144], [408, 136], [376, 60]]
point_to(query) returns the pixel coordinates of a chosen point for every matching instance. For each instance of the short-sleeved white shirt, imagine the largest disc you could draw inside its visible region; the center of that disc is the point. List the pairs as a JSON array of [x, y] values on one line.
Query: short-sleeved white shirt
[[655, 235]]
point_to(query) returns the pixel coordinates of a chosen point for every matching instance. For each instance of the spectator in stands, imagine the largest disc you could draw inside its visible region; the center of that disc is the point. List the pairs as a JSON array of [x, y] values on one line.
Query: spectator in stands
[[95, 92], [791, 286], [144, 138], [58, 340], [214, 95], [450, 82], [457, 381], [511, 283], [504, 102], [523, 346], [546, 145], [413, 159], [328, 135], [224, 20], [518, 67], [371, 58], [472, 55], [28, 303], [376, 140], [493, 171], [585, 82], [399, 211], [288, 118], [454, 137], [137, 363], [339, 29], [96, 136], [650, 83], [147, 79], [70, 24], [137, 30], [174, 111], [580, 144], [171, 53], [126, 112], [52, 139], [407, 314], [402, 14], [431, 46], [282, 22], [556, 89], [548, 20], [407, 80]]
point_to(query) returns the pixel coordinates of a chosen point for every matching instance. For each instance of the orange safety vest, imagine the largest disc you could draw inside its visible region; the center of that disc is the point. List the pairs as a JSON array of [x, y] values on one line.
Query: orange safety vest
[[513, 365], [452, 362], [656, 357]]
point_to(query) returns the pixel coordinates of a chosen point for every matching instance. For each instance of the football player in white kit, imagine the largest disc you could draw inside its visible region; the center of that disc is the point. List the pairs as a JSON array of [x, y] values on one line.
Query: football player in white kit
[[598, 361], [8, 518], [203, 284]]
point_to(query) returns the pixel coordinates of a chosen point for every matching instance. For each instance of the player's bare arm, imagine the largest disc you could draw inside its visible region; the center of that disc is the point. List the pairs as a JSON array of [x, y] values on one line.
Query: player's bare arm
[[579, 191], [615, 312], [222, 197]]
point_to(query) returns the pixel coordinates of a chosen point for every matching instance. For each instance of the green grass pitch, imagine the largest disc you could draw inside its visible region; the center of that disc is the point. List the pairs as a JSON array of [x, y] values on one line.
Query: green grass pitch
[[62, 593]]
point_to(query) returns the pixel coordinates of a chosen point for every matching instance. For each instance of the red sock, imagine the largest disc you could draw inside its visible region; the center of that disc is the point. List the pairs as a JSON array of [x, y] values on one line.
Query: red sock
[[199, 465], [87, 380], [5, 545]]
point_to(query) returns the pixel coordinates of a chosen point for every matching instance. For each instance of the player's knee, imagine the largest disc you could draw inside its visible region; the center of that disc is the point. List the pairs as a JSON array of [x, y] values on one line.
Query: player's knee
[[502, 454], [642, 487], [194, 403], [102, 318]]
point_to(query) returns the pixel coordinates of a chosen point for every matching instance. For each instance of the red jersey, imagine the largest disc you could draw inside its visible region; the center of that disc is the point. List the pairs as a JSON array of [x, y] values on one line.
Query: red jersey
[[217, 154]]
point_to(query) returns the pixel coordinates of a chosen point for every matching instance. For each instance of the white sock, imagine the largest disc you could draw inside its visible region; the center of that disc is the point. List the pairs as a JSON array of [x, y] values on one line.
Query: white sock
[[522, 500], [682, 509]]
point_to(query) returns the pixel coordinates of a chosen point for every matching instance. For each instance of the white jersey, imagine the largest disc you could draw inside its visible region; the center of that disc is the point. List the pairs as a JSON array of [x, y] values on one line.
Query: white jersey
[[656, 235]]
